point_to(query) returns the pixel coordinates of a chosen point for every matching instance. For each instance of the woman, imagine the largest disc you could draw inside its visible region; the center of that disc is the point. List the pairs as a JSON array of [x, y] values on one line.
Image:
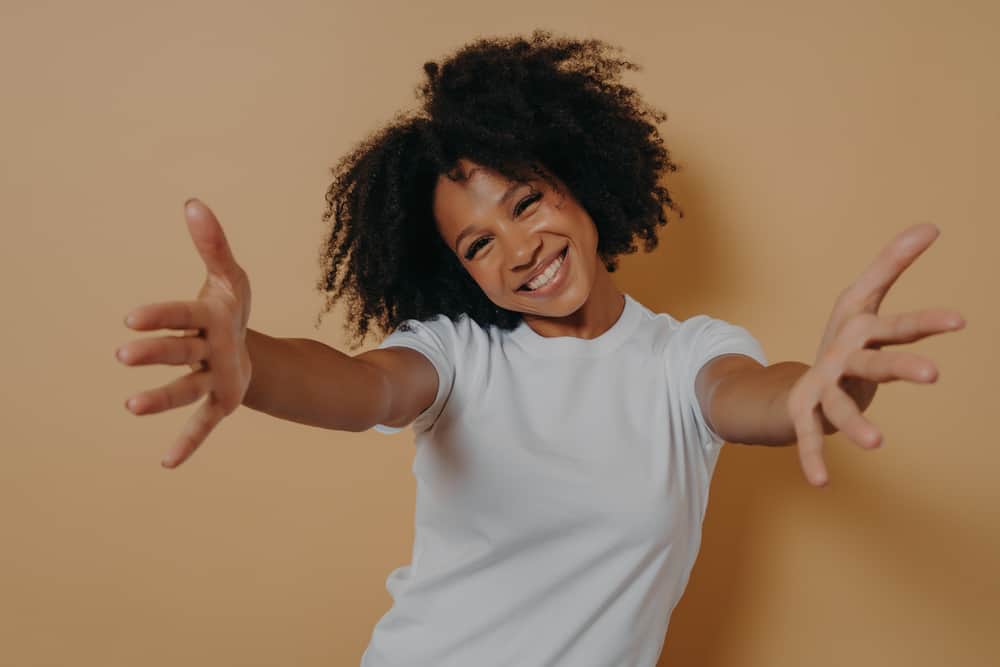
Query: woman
[[565, 434]]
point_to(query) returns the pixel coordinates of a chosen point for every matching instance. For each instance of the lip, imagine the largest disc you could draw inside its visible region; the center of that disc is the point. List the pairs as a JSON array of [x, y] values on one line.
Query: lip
[[557, 280], [541, 267]]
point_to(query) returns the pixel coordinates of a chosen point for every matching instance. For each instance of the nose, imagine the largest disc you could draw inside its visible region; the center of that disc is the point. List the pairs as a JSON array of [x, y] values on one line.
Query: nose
[[522, 250]]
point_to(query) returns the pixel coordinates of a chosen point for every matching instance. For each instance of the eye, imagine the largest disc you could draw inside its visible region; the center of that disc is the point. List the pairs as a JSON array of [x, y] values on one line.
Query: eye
[[530, 199], [471, 252], [521, 205]]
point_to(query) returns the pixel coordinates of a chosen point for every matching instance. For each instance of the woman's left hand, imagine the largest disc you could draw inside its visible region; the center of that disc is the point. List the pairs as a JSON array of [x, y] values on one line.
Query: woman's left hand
[[850, 363]]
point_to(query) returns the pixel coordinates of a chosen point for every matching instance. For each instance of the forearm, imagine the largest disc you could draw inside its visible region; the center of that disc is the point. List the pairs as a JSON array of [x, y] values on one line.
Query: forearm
[[309, 382], [752, 405]]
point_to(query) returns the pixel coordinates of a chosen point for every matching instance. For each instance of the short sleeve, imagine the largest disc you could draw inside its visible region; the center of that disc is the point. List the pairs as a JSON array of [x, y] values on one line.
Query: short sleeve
[[434, 339], [697, 341]]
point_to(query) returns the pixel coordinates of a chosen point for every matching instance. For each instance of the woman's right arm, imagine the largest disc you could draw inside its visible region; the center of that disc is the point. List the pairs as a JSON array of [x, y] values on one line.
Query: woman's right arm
[[309, 382], [293, 378]]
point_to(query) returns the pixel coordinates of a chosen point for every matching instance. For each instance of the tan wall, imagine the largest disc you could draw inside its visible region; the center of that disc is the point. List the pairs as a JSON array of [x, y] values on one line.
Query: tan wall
[[808, 137]]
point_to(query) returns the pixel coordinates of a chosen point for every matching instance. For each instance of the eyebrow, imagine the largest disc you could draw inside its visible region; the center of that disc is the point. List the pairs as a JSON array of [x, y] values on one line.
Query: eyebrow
[[472, 229]]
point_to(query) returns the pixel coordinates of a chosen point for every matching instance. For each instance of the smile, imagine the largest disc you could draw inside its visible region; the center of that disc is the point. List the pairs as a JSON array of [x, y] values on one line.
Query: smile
[[551, 279]]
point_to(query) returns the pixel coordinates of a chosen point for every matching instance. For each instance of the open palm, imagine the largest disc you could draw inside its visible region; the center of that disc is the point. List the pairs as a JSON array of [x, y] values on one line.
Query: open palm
[[213, 343], [850, 362]]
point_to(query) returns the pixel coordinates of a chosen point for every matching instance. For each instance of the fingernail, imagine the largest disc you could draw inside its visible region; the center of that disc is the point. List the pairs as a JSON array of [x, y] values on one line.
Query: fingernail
[[130, 320], [130, 404], [166, 463], [188, 204]]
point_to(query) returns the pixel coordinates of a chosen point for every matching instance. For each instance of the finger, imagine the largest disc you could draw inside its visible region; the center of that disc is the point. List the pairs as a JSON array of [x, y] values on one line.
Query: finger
[[190, 315], [809, 435], [890, 365], [867, 292], [170, 350], [912, 326], [182, 391], [209, 239], [841, 411], [194, 433]]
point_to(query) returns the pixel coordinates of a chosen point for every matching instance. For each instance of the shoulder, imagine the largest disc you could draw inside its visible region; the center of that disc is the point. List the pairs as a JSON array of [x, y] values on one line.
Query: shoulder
[[447, 338], [699, 339], [440, 329]]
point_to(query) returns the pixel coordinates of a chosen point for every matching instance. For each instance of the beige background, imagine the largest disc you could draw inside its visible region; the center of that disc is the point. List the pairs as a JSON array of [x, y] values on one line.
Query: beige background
[[808, 134]]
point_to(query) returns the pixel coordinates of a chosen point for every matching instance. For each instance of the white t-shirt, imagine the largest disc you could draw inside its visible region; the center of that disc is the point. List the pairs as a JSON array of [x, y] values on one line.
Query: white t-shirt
[[561, 488]]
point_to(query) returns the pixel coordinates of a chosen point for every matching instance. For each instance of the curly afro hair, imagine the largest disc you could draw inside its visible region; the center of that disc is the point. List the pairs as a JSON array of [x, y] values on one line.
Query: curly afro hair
[[520, 106]]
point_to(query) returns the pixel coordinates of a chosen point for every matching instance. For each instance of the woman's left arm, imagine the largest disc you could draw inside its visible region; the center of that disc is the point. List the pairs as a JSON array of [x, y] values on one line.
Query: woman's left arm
[[792, 402]]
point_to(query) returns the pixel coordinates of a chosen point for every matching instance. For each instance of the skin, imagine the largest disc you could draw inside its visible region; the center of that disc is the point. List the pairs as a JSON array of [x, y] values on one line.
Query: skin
[[754, 403], [215, 323], [511, 247]]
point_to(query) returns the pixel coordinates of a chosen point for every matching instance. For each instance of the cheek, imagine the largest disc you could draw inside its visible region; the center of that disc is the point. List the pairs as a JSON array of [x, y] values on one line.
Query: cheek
[[588, 233], [481, 276]]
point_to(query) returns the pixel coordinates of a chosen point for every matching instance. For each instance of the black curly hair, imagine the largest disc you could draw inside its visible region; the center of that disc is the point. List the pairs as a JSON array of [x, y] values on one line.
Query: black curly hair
[[520, 106]]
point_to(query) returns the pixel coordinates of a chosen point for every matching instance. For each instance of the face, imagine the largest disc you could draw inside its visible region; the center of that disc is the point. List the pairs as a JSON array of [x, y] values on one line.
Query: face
[[503, 232]]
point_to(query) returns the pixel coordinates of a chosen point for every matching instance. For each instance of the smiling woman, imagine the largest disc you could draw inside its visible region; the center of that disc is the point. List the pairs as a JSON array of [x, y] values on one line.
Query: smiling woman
[[566, 435], [530, 247], [562, 456], [520, 147]]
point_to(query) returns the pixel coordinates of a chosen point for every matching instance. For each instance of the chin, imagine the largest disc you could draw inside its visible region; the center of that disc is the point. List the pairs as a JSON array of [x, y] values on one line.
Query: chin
[[562, 306]]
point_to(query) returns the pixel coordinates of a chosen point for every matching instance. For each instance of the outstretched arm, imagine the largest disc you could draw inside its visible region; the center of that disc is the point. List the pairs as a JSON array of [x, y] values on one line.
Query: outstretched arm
[[745, 402], [749, 403]]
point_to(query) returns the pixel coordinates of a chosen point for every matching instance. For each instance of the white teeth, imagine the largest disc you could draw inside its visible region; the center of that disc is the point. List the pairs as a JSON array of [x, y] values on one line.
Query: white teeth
[[546, 276]]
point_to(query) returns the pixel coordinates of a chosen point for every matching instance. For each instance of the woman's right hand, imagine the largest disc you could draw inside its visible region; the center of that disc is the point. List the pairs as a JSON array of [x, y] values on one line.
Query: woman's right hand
[[214, 343]]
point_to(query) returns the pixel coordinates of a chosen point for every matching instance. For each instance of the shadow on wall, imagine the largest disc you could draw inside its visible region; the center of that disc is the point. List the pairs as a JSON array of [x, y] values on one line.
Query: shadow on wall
[[915, 545]]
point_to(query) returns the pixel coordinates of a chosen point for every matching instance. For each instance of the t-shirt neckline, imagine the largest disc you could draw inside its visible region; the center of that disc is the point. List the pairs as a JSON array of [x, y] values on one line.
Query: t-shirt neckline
[[531, 341]]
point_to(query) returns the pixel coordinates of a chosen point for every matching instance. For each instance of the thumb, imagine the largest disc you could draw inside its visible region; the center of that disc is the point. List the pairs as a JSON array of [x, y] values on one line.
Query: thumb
[[209, 239]]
